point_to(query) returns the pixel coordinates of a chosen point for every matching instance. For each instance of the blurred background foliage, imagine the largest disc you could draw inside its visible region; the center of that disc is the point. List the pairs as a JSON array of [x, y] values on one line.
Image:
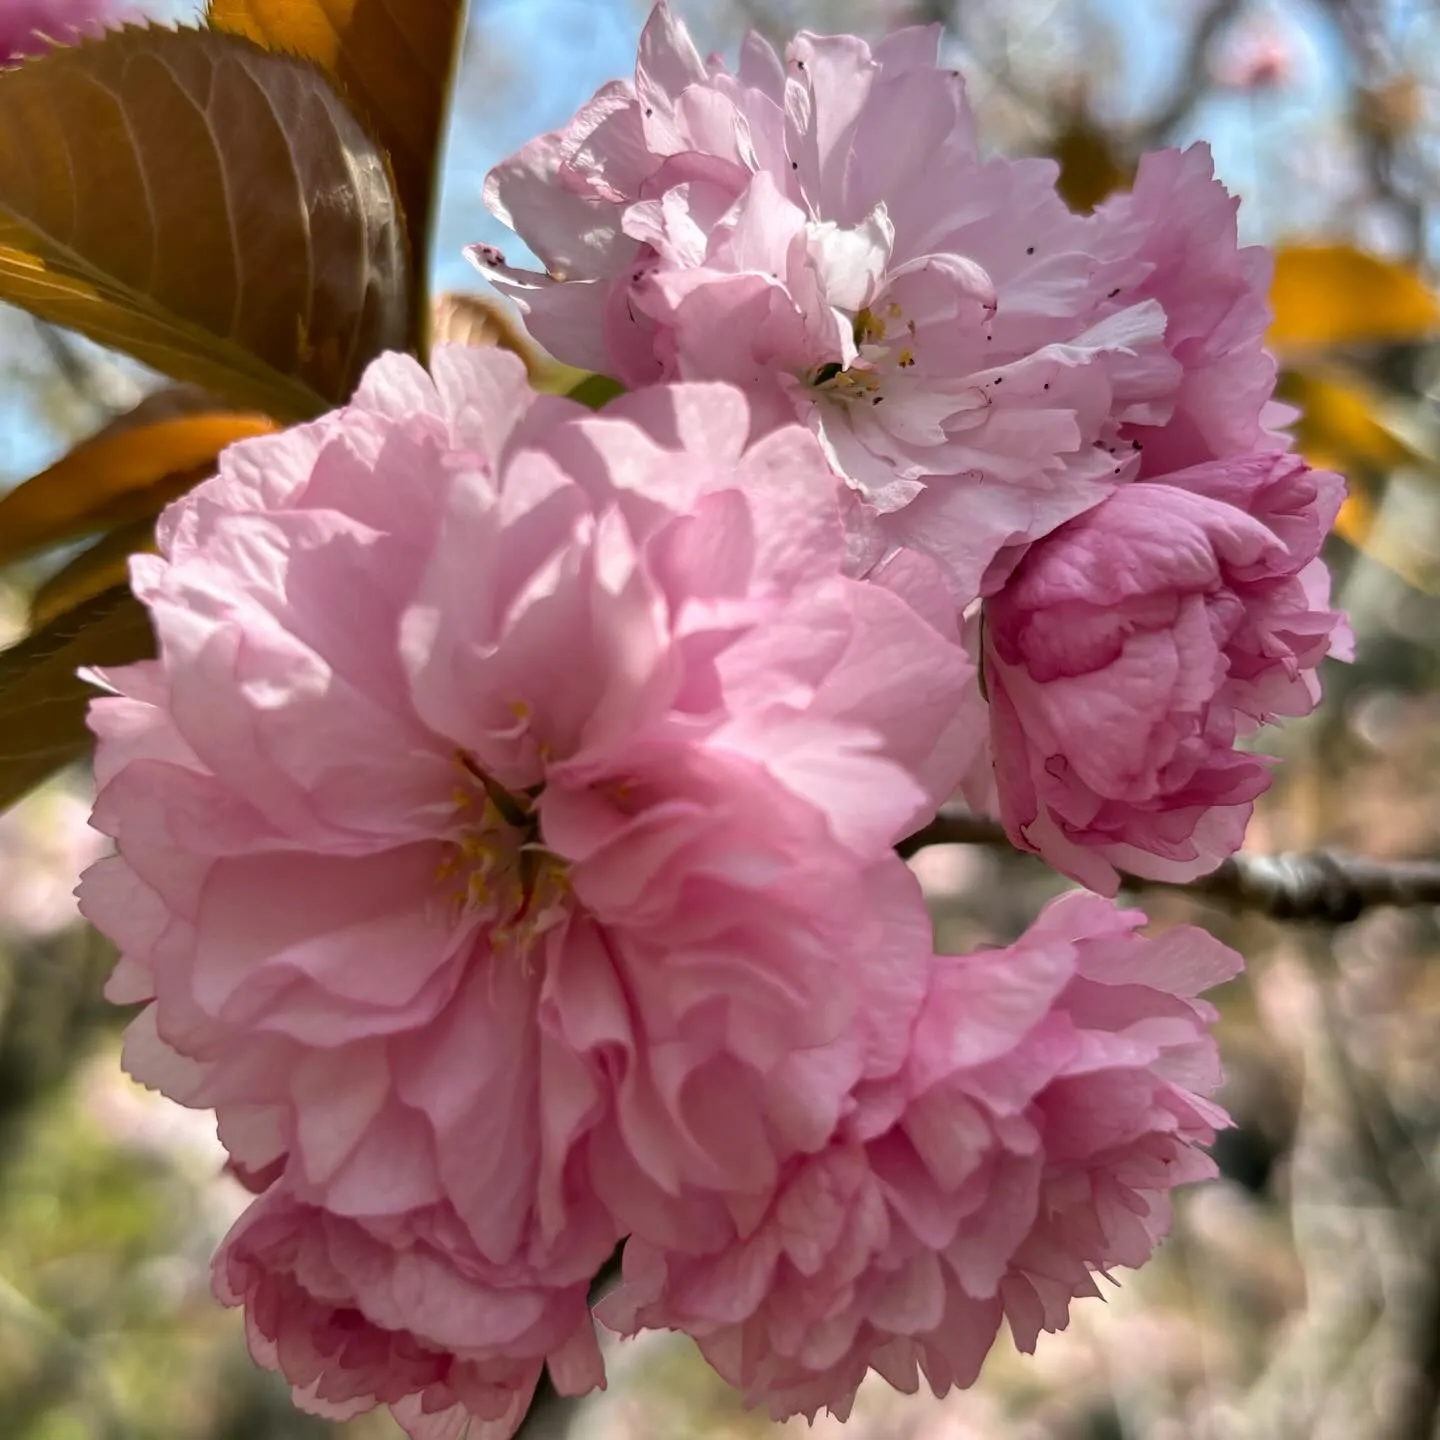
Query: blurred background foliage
[[1300, 1295]]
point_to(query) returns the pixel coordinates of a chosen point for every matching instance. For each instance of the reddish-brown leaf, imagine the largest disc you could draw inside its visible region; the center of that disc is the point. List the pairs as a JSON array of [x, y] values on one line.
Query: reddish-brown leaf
[[211, 208], [392, 59], [100, 567], [42, 699]]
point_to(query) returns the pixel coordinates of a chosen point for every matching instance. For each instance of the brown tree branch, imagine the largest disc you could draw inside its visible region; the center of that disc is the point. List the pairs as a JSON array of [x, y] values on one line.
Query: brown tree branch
[[552, 1414], [1322, 885]]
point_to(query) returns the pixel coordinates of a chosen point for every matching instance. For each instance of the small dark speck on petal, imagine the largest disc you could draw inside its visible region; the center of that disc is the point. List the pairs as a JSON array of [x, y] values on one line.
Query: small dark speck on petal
[[1029, 249], [999, 379], [1136, 445], [877, 399], [649, 111], [794, 164], [1046, 386], [1114, 293]]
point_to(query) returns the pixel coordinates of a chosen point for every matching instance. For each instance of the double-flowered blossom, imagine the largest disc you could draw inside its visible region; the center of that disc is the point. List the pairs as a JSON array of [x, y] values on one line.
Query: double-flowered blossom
[[401, 1311], [1135, 646], [29, 27], [508, 821], [1053, 1096], [823, 231]]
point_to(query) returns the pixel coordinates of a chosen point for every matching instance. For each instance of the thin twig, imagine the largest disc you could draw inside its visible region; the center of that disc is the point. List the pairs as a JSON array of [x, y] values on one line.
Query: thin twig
[[1321, 885], [957, 827], [551, 1414]]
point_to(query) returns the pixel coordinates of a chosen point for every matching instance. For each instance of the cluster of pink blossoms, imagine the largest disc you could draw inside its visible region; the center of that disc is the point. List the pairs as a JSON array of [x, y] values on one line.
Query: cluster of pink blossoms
[[504, 836], [1003, 385]]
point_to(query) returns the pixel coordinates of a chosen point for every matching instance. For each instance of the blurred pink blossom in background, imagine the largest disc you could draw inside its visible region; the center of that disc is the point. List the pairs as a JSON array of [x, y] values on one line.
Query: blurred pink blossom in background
[[42, 842], [1261, 53], [28, 27]]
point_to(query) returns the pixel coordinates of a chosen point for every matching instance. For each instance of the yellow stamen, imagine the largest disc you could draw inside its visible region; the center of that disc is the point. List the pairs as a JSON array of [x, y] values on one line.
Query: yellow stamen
[[496, 866], [868, 326]]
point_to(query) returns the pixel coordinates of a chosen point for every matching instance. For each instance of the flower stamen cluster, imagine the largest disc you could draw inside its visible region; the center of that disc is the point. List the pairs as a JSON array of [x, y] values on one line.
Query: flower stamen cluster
[[497, 869]]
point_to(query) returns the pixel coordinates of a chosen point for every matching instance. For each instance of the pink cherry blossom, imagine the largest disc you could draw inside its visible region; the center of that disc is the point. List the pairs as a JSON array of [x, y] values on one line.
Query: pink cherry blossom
[[1052, 1099], [506, 826], [29, 27], [823, 231], [1133, 648], [1177, 228], [404, 1314], [1259, 54]]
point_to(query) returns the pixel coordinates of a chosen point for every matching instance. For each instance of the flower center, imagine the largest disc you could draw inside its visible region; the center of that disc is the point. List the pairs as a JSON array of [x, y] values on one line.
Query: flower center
[[874, 360], [497, 870]]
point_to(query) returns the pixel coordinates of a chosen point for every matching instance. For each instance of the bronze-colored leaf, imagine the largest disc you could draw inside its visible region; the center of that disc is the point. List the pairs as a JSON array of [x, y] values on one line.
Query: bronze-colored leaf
[[42, 699], [101, 567], [1357, 517], [1345, 424], [393, 60], [1341, 425], [208, 207], [129, 471], [1331, 295]]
